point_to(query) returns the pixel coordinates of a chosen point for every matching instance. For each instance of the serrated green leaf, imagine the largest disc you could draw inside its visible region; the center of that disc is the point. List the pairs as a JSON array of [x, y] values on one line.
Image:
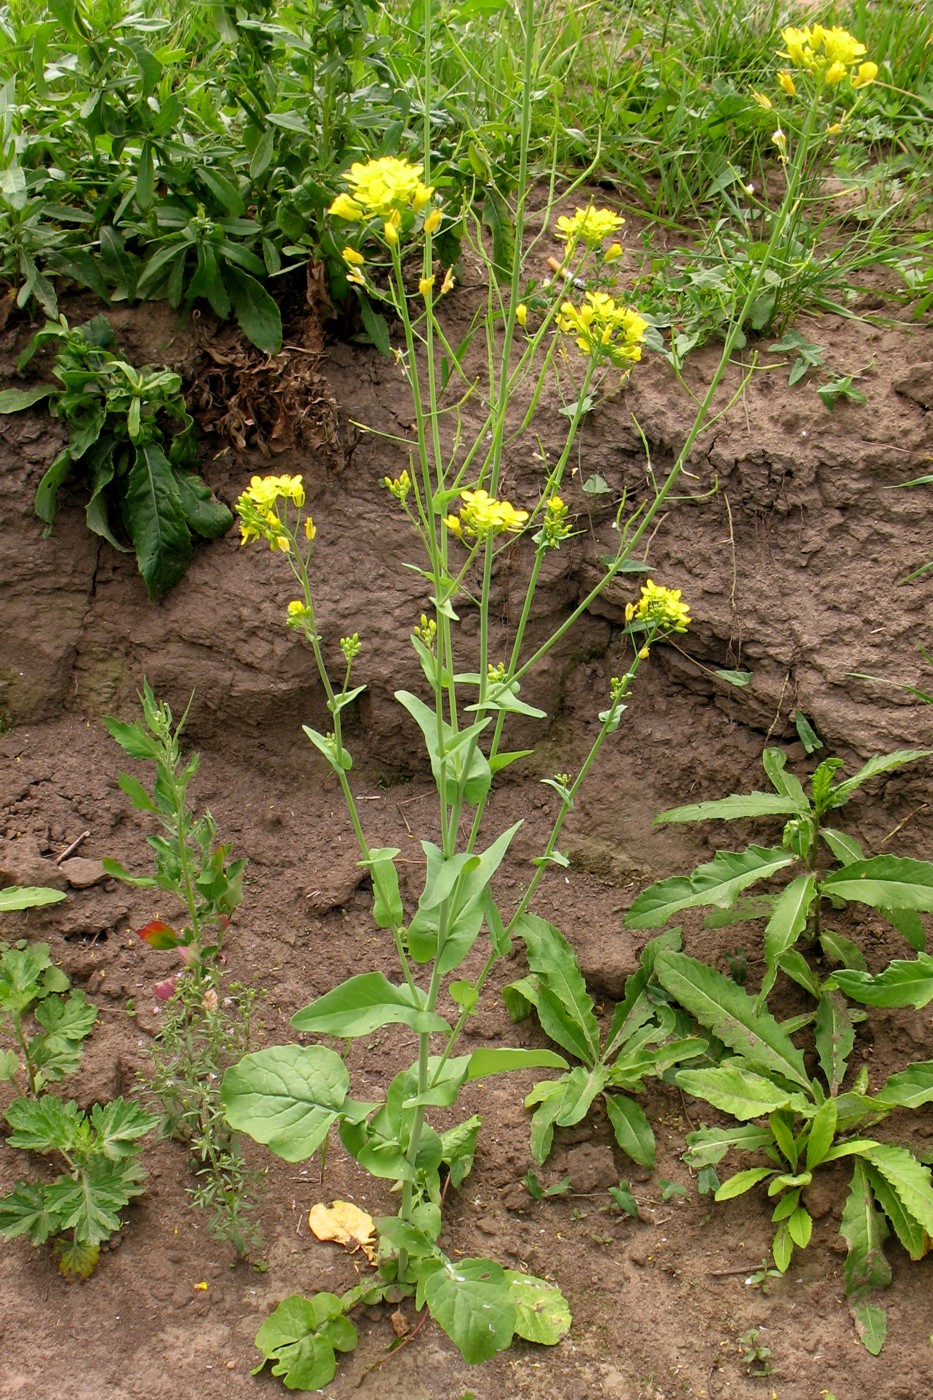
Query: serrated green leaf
[[707, 1146], [25, 1211], [286, 1097], [882, 763], [717, 882], [551, 957], [47, 1124], [76, 1260], [835, 1037], [844, 847], [884, 882], [299, 1338], [731, 1014], [15, 400], [470, 1299], [909, 1178], [365, 1003], [774, 762], [902, 983], [909, 1088], [864, 1230], [739, 1091], [909, 1231], [542, 1314], [91, 1204]]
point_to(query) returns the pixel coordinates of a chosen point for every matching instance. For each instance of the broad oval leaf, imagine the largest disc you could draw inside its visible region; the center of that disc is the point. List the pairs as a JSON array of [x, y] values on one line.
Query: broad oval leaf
[[286, 1097], [470, 1299], [542, 1314]]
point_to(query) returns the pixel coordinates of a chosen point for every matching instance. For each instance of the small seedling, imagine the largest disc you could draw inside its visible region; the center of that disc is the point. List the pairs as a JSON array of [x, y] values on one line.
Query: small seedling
[[807, 355], [756, 1358], [843, 387]]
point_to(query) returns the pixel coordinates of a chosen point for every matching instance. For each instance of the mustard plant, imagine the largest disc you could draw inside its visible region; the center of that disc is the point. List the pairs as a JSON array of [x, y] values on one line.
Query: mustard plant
[[453, 495]]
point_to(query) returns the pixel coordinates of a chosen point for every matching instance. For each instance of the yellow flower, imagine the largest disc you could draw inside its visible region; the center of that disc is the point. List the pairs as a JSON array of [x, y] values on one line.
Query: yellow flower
[[787, 83], [613, 252], [344, 207], [834, 129], [398, 486], [380, 188], [425, 285], [433, 221], [660, 609], [448, 283], [867, 73], [481, 515], [391, 227], [780, 140], [356, 277], [590, 226], [521, 314], [764, 102], [603, 327], [310, 529], [827, 54], [351, 256]]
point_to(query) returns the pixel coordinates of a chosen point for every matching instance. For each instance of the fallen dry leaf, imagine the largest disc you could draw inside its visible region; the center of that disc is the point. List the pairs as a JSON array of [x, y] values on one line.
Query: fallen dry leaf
[[345, 1224]]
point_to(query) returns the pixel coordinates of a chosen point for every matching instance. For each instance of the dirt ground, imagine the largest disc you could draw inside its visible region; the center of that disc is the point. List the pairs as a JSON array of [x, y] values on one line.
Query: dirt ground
[[790, 550]]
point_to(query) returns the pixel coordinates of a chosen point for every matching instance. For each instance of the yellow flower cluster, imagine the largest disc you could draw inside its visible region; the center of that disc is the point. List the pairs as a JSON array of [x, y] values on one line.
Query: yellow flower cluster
[[556, 527], [259, 518], [590, 226], [829, 54], [660, 609], [603, 326], [380, 189], [482, 515], [398, 486]]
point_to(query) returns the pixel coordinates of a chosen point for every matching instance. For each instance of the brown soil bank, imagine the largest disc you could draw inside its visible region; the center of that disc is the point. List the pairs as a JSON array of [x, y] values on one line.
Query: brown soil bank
[[791, 551]]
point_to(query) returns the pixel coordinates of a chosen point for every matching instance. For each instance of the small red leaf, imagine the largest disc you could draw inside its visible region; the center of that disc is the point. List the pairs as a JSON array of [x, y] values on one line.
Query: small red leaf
[[159, 935]]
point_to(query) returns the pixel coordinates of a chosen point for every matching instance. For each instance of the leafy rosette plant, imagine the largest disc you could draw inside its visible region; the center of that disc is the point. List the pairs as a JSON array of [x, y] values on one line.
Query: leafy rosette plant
[[801, 1124], [142, 479], [826, 866]]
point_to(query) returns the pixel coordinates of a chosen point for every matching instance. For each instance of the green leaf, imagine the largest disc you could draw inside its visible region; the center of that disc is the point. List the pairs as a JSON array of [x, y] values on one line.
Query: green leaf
[[458, 1146], [155, 520], [363, 1004], [884, 882], [822, 1132], [498, 219], [301, 1336], [47, 1124], [908, 1229], [864, 1230], [286, 1097], [15, 400], [909, 925], [774, 762], [25, 1211], [541, 1311], [206, 516], [909, 1178], [718, 882], [844, 847], [842, 950], [707, 1146], [731, 1014], [28, 897], [883, 763], [387, 901], [631, 1128], [376, 327], [740, 1182], [738, 1091], [787, 923], [257, 314], [482, 1063], [902, 983], [835, 1037], [740, 679], [749, 804], [910, 1088], [119, 1125], [46, 501], [551, 957], [471, 1300], [871, 1324], [91, 1204]]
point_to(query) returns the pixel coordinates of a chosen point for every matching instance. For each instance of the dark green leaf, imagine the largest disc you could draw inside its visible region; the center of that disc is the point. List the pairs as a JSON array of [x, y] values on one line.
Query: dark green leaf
[[257, 314], [155, 520], [286, 1097]]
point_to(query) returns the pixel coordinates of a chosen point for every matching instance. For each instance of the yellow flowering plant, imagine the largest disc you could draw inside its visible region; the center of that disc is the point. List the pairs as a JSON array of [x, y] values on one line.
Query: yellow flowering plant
[[465, 512]]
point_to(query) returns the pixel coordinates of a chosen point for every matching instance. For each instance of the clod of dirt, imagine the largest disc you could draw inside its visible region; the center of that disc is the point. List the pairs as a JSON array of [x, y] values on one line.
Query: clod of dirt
[[592, 1168], [81, 873], [22, 864]]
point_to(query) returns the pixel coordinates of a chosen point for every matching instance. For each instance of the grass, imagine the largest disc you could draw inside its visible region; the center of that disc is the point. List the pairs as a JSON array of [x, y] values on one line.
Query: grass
[[123, 128]]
